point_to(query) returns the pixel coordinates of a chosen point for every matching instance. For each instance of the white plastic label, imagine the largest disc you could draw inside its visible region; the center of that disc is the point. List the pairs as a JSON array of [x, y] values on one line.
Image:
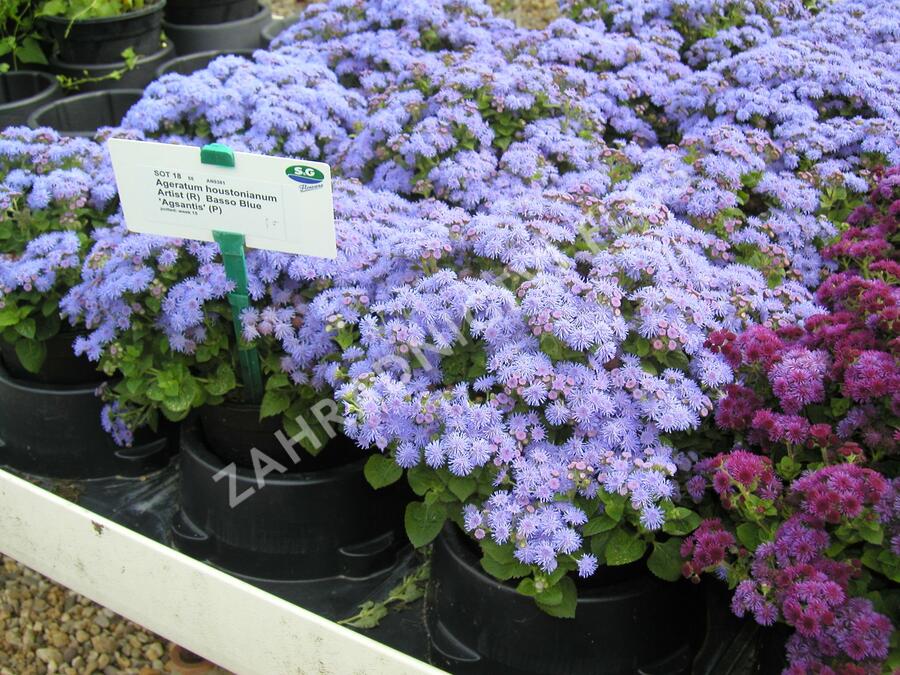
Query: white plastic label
[[277, 203]]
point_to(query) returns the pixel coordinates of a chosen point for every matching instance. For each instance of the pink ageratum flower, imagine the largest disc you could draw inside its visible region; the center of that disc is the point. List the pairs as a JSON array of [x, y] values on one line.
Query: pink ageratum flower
[[834, 493], [761, 345], [736, 410], [798, 379], [741, 469], [873, 375], [705, 548]]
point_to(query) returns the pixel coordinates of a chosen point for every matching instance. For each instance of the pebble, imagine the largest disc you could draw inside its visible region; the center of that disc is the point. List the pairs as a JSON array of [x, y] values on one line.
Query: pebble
[[47, 629]]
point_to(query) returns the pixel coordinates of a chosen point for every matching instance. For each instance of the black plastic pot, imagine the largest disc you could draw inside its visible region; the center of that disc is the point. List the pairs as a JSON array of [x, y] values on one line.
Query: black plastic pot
[[185, 65], [206, 12], [103, 40], [60, 366], [83, 114], [140, 76], [22, 92], [734, 646], [240, 34], [232, 430], [634, 624], [297, 526], [54, 430], [274, 28]]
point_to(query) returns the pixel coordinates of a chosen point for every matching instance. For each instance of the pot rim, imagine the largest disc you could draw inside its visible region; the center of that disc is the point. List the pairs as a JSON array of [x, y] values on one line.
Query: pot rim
[[56, 389], [155, 6], [467, 563], [53, 86], [192, 443], [245, 52], [86, 133], [163, 51], [204, 27]]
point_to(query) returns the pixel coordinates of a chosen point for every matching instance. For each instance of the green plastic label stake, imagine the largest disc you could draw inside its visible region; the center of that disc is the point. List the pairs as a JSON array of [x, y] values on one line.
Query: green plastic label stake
[[232, 246]]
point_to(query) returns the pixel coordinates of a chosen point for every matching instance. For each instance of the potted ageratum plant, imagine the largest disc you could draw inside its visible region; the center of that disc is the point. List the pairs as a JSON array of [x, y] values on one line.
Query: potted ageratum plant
[[805, 522], [52, 201], [88, 32], [103, 44], [271, 488], [532, 388]]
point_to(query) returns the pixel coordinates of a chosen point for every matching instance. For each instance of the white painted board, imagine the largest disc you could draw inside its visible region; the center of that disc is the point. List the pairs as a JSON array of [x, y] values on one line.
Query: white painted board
[[228, 621]]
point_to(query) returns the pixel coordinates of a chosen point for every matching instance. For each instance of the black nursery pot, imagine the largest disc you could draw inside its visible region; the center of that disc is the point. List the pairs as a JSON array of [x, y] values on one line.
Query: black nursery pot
[[83, 114], [243, 33], [103, 40], [54, 431], [60, 366], [324, 521], [275, 27], [22, 92], [205, 12], [633, 624], [185, 65], [137, 77]]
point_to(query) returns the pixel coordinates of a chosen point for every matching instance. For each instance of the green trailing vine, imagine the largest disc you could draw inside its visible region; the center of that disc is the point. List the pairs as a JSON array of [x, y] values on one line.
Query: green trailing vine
[[410, 589]]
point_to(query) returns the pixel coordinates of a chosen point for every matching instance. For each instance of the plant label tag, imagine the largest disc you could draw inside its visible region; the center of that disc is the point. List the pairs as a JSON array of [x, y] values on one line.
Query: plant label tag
[[278, 204]]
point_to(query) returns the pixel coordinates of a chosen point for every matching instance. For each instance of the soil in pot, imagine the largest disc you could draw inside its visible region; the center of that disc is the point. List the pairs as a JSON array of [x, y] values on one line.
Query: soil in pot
[[22, 92], [61, 365], [104, 39], [625, 622], [83, 114], [239, 34], [267, 524], [139, 76], [185, 65], [207, 12]]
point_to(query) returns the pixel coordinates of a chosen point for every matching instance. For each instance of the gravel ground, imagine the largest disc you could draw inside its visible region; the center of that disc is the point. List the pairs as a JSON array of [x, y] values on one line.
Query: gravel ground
[[527, 13], [46, 628]]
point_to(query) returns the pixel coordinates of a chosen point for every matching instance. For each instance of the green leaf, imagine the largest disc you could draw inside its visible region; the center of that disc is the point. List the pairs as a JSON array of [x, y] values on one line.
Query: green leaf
[[52, 8], [26, 328], [503, 571], [681, 521], [31, 354], [872, 533], [614, 504], [501, 553], [422, 479], [665, 561], [274, 403], [787, 468], [565, 608], [423, 522], [9, 315], [29, 51], [526, 587], [381, 471], [345, 337], [462, 488], [550, 596], [624, 546], [839, 406], [277, 381], [222, 381], [601, 523], [749, 535]]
